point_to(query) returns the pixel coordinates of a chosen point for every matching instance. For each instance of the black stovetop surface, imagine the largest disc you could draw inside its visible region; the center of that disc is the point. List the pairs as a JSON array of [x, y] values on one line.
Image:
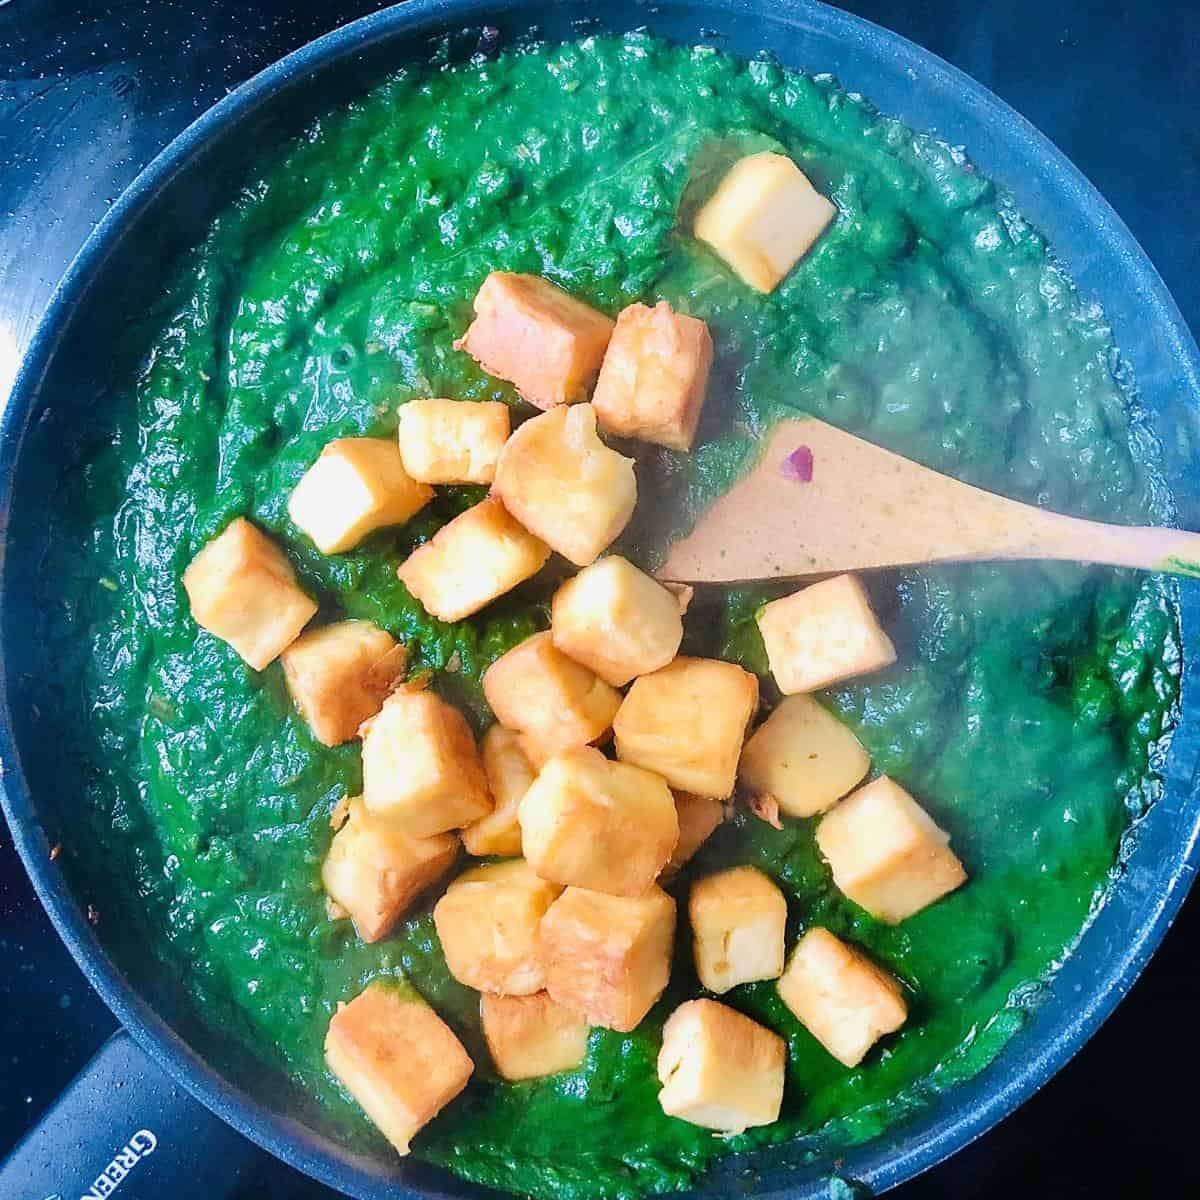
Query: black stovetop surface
[[89, 91]]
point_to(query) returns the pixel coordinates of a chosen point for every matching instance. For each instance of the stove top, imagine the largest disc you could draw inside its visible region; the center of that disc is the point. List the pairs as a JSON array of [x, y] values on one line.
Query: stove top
[[89, 92]]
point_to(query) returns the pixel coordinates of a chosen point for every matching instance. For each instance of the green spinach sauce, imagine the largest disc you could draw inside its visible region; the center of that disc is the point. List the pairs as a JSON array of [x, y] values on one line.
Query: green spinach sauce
[[1026, 706]]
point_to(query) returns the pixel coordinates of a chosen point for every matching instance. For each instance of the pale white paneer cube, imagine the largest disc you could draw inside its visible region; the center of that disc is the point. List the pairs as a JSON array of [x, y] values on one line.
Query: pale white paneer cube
[[420, 766], [357, 485], [551, 701], [719, 1069], [375, 872], [763, 218], [608, 958], [687, 722], [886, 853], [565, 485], [616, 620], [452, 441], [590, 822], [487, 923], [654, 376], [243, 590], [509, 774], [699, 817], [738, 921], [531, 1036], [823, 634], [803, 757], [541, 339], [397, 1058], [840, 996], [340, 675], [472, 560]]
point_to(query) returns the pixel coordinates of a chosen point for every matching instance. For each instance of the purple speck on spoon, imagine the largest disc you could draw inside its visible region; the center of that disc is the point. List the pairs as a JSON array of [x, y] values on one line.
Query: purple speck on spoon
[[798, 465]]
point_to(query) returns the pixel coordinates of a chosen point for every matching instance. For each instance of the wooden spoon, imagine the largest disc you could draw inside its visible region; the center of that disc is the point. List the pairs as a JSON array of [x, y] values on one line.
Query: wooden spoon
[[820, 501]]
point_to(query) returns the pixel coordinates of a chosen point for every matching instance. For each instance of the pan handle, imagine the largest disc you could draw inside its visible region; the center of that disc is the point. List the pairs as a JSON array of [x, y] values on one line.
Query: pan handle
[[123, 1128]]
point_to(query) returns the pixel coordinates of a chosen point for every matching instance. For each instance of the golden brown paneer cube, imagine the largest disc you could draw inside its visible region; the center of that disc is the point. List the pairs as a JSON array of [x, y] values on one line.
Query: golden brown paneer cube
[[763, 218], [397, 1058], [452, 441], [532, 1036], [616, 620], [654, 376], [840, 996], [886, 853], [375, 872], [719, 1069], [357, 485], [804, 757], [738, 921], [552, 701], [699, 817], [478, 556], [509, 774], [687, 722], [243, 590], [541, 339], [565, 485], [593, 823], [420, 766], [823, 634], [339, 676], [487, 923], [608, 958]]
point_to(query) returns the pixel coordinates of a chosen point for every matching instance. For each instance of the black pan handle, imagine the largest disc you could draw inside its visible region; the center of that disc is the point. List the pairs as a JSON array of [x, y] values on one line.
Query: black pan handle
[[125, 1129]]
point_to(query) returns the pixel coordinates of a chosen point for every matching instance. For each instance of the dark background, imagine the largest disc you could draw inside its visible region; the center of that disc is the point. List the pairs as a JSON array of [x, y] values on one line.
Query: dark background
[[90, 91]]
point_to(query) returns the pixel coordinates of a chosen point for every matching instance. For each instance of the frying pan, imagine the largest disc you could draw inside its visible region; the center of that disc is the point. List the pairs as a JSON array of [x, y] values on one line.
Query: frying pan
[[152, 1115]]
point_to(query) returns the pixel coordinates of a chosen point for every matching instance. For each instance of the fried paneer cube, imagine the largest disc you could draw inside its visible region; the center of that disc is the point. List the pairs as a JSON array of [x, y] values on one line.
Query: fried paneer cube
[[487, 923], [553, 702], [452, 441], [804, 757], [509, 774], [654, 376], [472, 560], [243, 590], [375, 872], [532, 1036], [886, 853], [339, 676], [763, 218], [593, 823], [719, 1069], [420, 766], [616, 620], [397, 1058], [357, 485], [739, 919], [699, 818], [608, 958], [840, 996], [565, 485], [538, 337], [686, 722], [823, 634]]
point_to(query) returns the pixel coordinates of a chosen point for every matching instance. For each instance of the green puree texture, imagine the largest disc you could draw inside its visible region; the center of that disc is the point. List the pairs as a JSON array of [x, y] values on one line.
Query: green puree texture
[[1028, 705]]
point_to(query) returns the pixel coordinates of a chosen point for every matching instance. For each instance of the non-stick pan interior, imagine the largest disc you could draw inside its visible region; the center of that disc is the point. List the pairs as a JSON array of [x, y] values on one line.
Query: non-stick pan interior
[[64, 410]]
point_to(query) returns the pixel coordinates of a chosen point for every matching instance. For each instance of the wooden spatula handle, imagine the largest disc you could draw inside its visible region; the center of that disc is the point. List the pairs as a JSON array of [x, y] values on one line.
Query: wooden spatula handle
[[1051, 535]]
